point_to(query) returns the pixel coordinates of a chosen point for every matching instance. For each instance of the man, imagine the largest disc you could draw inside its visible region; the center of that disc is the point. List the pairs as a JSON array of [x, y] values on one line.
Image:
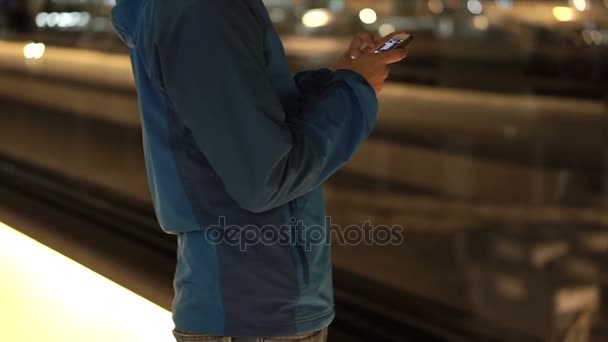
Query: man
[[232, 141]]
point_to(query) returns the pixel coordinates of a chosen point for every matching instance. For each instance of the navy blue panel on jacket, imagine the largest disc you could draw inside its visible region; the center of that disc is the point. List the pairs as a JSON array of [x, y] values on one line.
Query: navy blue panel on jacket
[[236, 151]]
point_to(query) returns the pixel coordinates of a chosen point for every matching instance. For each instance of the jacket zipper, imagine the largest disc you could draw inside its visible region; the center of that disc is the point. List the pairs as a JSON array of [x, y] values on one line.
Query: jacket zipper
[[303, 263], [300, 254]]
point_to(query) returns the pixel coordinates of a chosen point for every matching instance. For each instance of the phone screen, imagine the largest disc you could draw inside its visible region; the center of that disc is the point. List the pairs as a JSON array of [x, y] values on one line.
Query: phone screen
[[395, 43], [390, 44]]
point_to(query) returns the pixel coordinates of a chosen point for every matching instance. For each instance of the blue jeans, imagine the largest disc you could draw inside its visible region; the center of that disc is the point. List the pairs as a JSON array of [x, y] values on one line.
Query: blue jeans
[[317, 336]]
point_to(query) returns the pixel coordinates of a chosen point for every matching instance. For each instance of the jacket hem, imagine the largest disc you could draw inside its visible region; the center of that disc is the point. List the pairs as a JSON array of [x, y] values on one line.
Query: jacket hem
[[302, 326]]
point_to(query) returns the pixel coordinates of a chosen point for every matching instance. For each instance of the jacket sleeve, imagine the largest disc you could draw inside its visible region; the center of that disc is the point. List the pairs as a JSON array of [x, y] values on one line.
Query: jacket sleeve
[[312, 83], [215, 76]]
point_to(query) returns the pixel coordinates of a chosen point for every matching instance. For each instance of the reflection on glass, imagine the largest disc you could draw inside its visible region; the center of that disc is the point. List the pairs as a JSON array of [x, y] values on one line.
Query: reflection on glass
[[562, 13], [33, 50], [490, 148], [316, 18]]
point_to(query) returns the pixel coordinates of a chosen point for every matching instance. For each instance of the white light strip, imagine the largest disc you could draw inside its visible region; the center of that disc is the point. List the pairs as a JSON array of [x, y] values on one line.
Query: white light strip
[[45, 296]]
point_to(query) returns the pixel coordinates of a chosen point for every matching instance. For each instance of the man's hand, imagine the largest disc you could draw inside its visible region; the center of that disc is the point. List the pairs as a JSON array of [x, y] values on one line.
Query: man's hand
[[360, 58], [362, 42]]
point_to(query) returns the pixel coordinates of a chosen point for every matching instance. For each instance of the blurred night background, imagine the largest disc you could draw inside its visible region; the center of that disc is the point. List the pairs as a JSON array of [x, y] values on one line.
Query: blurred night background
[[490, 150]]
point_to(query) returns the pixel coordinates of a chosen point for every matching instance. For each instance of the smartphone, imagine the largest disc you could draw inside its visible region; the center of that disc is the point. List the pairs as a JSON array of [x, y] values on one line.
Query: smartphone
[[399, 41]]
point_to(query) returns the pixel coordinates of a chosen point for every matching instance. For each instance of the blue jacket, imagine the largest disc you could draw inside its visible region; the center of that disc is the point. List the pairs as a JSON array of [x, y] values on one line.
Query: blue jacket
[[233, 141]]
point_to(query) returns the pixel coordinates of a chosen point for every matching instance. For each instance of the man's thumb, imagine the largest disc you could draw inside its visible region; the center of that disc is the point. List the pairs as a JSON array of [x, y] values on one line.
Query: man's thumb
[[393, 56]]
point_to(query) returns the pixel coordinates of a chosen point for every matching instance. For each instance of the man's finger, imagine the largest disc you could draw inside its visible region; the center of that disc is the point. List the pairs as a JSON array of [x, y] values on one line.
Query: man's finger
[[368, 40], [361, 41], [381, 41], [393, 56]]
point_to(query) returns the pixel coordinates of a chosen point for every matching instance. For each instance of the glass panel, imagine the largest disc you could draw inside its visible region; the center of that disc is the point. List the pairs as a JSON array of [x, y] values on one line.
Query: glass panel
[[490, 148]]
